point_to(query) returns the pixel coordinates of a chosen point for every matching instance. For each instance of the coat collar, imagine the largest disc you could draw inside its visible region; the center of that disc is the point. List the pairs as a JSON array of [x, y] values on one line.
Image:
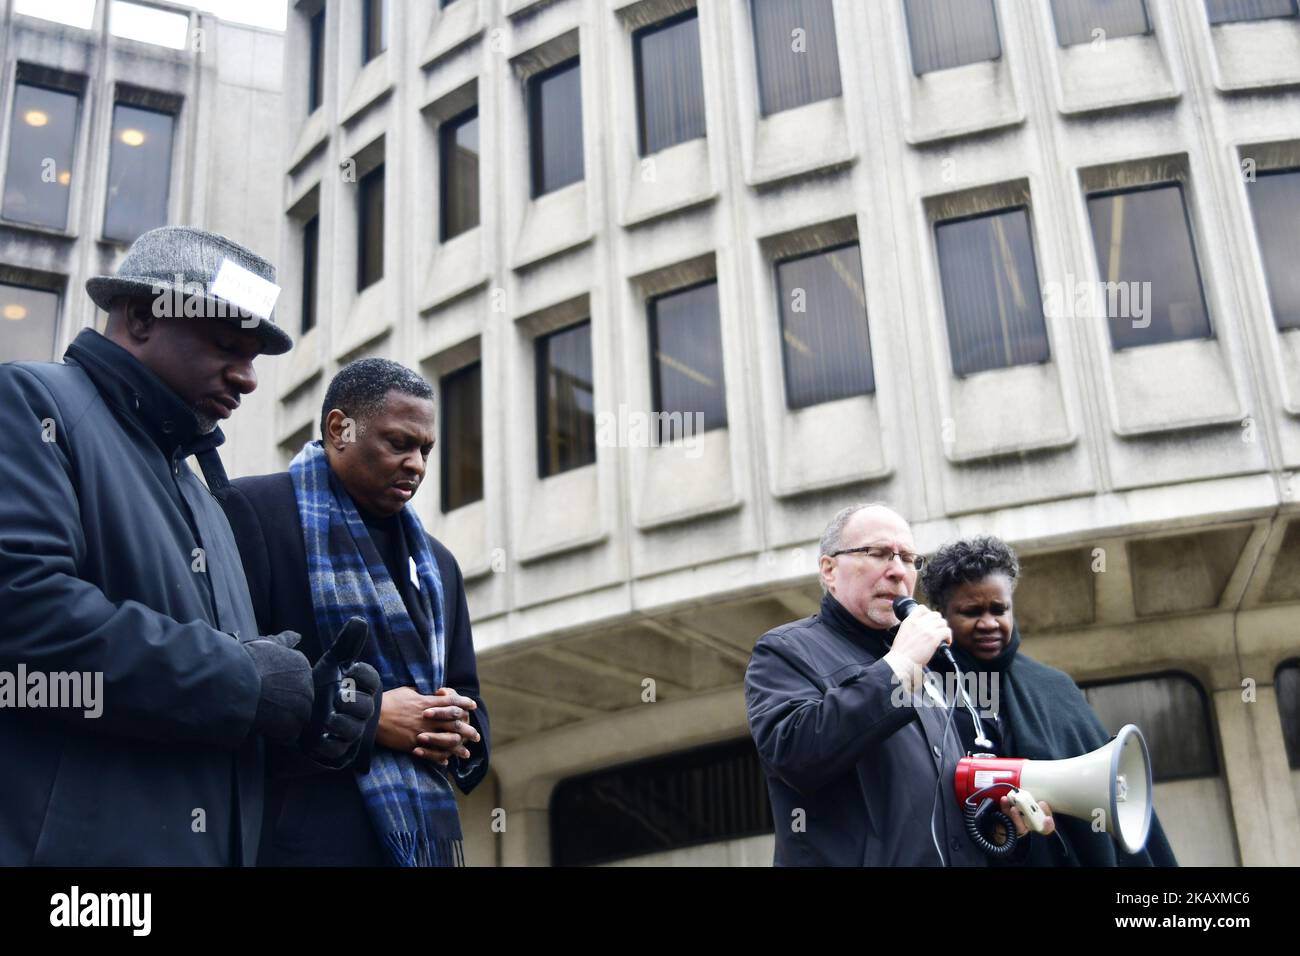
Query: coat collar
[[140, 395], [835, 614]]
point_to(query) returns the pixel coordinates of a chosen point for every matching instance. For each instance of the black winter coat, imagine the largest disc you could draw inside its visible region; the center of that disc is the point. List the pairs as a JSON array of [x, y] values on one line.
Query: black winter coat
[[101, 526], [852, 773], [316, 817]]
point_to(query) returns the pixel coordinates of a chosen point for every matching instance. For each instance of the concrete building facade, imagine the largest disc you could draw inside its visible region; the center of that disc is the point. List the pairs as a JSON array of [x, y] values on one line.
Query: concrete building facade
[[617, 583]]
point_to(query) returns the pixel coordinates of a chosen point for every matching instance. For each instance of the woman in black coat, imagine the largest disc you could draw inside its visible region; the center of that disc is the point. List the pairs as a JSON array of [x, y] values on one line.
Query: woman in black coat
[[1042, 714]]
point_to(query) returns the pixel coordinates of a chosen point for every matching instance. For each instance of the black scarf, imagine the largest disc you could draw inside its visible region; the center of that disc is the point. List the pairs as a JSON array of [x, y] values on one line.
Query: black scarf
[[1049, 719]]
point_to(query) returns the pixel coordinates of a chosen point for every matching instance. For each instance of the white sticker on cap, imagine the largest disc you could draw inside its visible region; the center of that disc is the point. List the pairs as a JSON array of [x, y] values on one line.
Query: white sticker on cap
[[245, 289]]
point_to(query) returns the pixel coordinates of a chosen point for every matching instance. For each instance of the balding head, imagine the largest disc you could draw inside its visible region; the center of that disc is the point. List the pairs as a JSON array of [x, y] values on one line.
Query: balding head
[[834, 535]]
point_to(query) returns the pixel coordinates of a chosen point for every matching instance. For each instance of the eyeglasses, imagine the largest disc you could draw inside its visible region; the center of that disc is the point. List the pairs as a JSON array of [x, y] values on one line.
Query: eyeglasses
[[884, 555]]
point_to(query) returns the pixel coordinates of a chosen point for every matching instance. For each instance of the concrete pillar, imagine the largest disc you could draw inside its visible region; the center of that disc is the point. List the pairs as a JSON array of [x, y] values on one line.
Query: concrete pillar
[[1259, 782]]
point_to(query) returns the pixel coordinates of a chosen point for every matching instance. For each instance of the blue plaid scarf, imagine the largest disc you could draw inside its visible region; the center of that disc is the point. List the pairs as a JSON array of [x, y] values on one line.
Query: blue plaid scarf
[[409, 800]]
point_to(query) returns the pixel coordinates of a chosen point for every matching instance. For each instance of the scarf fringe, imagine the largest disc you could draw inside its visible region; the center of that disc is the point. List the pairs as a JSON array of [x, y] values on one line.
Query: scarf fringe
[[409, 850]]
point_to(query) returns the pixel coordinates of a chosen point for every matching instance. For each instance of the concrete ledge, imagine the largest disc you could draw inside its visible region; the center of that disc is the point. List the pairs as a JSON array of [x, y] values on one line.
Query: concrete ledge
[[1261, 55], [457, 270], [989, 413], [549, 526], [1147, 397], [851, 425], [796, 142], [975, 98], [669, 181], [373, 83], [369, 318], [1128, 71], [554, 223], [452, 28], [678, 484]]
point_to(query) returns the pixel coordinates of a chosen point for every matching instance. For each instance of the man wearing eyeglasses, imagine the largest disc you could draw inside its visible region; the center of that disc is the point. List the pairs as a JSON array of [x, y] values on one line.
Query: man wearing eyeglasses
[[860, 772]]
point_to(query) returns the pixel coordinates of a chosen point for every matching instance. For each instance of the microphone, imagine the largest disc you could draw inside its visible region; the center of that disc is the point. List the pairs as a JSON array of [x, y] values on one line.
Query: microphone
[[903, 606]]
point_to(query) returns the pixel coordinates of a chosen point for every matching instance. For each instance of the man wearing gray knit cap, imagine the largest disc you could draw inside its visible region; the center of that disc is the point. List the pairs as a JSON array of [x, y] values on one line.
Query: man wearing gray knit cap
[[140, 694]]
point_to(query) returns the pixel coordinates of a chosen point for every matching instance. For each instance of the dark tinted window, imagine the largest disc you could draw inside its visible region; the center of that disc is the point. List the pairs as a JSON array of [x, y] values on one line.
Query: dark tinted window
[[28, 322], [1173, 715], [370, 233], [139, 172], [42, 137], [458, 147], [566, 416], [1288, 707], [1143, 242], [555, 127], [798, 61], [1275, 201], [948, 33], [374, 29], [824, 340], [686, 361], [702, 796], [462, 437], [316, 67], [310, 270], [991, 298], [670, 84], [1227, 11], [1076, 20]]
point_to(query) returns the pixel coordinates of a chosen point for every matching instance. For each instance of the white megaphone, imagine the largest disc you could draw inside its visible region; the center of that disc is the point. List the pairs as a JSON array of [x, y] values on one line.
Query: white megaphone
[[1115, 779]]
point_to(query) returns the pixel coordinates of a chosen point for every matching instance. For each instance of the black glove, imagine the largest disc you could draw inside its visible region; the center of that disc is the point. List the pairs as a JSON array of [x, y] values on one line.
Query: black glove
[[340, 710], [285, 704]]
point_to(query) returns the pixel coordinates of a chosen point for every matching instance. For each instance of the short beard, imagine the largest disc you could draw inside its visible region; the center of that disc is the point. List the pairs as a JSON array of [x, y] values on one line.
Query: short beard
[[206, 423]]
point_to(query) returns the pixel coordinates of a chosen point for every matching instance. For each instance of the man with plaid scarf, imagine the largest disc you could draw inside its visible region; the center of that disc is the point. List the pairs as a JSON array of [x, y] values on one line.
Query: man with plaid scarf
[[333, 539]]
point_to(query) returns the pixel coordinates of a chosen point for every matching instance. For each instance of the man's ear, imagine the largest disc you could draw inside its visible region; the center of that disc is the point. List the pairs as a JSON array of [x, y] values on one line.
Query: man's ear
[[138, 320], [340, 431], [824, 566]]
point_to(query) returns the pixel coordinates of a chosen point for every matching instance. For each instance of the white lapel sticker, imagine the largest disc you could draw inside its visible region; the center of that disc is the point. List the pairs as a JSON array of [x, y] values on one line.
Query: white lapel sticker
[[245, 289], [415, 574]]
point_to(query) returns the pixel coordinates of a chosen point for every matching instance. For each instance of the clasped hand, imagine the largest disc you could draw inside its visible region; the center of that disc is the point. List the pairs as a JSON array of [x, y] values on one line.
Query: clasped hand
[[435, 728]]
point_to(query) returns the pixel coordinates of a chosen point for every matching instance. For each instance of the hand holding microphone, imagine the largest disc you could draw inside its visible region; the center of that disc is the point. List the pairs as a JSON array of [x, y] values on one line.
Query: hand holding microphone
[[922, 632]]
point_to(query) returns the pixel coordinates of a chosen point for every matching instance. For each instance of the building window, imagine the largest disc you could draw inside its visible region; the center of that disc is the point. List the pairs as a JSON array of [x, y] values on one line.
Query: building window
[[566, 416], [702, 796], [794, 46], [1077, 21], [1173, 715], [825, 345], [1230, 11], [1143, 241], [1287, 683], [42, 137], [462, 437], [374, 29], [687, 382], [458, 152], [948, 33], [669, 83], [991, 294], [139, 172], [1275, 201], [316, 77], [310, 271], [28, 322], [555, 127], [370, 232]]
